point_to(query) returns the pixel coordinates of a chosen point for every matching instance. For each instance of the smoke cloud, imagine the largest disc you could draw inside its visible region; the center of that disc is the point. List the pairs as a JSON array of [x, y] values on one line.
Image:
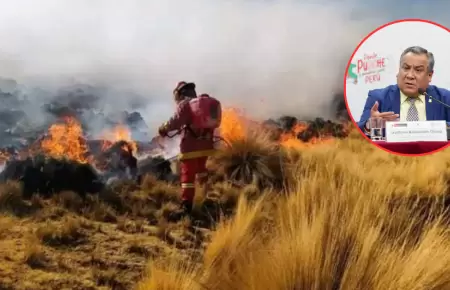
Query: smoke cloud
[[267, 57]]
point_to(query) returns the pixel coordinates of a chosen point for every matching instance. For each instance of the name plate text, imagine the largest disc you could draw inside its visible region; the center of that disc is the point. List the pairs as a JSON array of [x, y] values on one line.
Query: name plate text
[[416, 131]]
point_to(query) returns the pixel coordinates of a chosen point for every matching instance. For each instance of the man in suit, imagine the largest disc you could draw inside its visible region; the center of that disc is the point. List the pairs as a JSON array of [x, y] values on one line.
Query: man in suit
[[403, 101]]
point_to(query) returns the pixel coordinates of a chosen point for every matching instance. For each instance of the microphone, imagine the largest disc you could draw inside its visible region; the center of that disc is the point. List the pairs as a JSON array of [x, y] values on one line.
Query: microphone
[[423, 92]]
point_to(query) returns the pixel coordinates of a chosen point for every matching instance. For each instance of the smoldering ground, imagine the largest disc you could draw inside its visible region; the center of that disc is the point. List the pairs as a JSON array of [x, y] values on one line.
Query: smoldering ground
[[269, 57]]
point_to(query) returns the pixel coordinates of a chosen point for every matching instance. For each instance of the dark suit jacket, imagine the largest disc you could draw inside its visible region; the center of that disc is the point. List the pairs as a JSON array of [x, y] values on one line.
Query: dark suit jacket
[[389, 100]]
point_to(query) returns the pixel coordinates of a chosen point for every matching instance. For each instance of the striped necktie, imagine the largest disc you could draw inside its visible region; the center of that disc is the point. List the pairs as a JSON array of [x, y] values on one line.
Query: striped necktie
[[413, 114]]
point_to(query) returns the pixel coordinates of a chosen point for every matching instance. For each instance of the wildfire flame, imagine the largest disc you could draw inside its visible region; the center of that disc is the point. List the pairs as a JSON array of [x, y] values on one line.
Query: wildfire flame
[[290, 139], [118, 133], [234, 126], [65, 140]]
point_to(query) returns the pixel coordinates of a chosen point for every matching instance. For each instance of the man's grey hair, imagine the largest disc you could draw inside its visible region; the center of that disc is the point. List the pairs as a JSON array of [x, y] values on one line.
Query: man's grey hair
[[420, 50]]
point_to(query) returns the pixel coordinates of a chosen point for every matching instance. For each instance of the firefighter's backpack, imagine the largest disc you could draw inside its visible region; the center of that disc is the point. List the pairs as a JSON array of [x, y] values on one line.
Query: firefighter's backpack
[[206, 113]]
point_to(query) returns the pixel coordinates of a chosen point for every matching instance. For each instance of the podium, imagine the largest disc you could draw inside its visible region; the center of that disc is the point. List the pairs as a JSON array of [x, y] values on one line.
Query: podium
[[412, 147], [417, 137]]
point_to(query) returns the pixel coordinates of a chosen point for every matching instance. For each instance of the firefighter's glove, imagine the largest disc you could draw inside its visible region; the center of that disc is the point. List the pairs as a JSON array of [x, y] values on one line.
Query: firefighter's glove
[[162, 130]]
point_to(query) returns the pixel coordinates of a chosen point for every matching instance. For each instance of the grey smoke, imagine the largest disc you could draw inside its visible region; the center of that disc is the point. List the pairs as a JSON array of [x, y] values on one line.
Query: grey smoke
[[268, 57]]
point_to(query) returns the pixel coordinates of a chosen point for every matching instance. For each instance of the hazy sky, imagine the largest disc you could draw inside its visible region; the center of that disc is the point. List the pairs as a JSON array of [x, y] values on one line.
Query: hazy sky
[[269, 57]]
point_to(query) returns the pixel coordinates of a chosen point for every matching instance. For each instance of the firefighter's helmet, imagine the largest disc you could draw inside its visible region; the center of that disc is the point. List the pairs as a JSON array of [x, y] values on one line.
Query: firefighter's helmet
[[183, 90]]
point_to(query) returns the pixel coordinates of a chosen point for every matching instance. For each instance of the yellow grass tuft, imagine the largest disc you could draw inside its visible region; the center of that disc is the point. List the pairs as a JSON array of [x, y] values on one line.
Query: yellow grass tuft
[[348, 222]]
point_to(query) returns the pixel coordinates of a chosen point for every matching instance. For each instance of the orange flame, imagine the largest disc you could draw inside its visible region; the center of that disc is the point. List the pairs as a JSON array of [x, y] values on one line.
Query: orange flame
[[290, 139], [118, 133], [66, 141], [233, 126]]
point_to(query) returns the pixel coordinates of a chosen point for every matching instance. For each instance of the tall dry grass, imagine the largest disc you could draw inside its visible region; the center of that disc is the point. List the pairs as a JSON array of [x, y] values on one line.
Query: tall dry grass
[[338, 228]]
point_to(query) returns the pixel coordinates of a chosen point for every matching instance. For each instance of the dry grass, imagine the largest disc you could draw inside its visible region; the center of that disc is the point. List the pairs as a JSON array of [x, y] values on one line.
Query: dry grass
[[64, 242], [343, 215], [341, 226]]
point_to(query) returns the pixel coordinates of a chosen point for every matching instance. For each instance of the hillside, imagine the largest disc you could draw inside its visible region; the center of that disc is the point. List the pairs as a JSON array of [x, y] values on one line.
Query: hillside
[[341, 222]]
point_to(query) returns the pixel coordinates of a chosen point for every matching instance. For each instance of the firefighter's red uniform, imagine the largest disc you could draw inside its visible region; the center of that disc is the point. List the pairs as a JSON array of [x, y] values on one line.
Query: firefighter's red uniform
[[197, 118]]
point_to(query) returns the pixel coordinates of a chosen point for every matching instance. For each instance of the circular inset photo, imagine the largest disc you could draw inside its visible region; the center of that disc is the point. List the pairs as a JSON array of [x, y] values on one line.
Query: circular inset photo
[[396, 87]]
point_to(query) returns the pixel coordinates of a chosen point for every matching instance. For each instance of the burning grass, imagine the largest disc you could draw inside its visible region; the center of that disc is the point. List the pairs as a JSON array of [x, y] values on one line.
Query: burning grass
[[117, 134], [279, 214], [66, 140]]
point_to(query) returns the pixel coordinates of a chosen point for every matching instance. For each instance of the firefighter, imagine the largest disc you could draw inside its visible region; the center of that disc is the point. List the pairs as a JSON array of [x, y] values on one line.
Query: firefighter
[[196, 117]]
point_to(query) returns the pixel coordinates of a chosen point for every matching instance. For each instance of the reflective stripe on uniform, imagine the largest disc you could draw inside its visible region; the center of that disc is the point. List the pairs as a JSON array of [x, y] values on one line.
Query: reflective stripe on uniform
[[196, 154], [187, 185]]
